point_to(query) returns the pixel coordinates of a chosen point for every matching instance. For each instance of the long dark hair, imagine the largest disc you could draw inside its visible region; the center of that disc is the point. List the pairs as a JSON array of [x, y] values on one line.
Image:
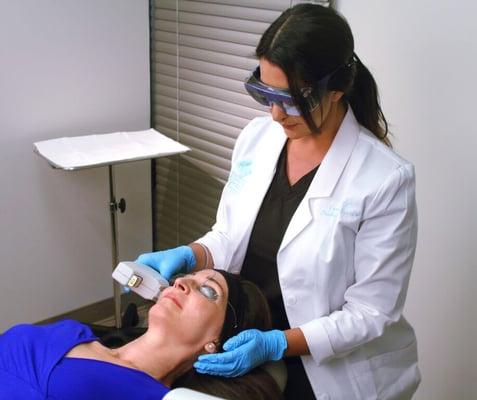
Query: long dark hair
[[309, 42], [256, 384]]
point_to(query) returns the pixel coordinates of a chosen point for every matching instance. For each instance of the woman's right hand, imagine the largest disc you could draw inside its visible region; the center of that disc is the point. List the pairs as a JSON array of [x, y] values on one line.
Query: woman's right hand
[[170, 262]]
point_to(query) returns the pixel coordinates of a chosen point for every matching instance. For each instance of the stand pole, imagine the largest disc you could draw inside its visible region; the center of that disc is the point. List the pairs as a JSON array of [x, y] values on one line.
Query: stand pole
[[113, 207]]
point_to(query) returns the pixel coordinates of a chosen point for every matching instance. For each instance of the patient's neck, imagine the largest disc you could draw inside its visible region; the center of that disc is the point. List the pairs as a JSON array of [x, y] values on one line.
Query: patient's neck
[[159, 356]]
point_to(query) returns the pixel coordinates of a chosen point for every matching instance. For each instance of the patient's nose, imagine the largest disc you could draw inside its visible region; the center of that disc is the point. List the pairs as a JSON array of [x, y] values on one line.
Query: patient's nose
[[182, 285]]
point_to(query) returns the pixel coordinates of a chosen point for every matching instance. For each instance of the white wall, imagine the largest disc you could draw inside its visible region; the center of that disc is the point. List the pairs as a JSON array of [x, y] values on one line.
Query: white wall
[[67, 68], [424, 57]]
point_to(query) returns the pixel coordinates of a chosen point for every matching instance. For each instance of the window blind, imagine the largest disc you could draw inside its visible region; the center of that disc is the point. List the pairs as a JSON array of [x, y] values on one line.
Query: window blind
[[201, 52]]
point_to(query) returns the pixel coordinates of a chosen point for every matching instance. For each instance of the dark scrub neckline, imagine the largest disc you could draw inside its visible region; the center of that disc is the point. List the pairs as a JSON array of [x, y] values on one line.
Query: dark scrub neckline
[[302, 184]]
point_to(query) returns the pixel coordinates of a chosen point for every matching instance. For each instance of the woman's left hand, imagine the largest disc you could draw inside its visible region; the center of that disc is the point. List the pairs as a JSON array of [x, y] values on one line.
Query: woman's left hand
[[244, 352]]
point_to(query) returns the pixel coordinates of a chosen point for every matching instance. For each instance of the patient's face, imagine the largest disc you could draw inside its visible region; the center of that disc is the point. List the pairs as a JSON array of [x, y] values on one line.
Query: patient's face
[[193, 308]]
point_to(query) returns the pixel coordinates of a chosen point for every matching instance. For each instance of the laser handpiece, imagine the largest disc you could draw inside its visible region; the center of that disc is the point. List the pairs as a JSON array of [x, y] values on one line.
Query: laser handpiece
[[141, 279]]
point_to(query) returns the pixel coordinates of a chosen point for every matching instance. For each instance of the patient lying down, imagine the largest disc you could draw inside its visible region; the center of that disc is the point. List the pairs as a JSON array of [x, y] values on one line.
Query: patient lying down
[[194, 316]]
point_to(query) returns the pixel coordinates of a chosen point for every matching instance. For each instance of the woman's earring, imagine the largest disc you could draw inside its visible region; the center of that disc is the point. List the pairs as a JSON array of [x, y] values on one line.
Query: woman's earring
[[210, 348]]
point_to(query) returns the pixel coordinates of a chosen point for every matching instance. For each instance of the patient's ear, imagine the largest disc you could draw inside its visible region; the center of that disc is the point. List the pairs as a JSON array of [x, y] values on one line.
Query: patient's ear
[[210, 347]]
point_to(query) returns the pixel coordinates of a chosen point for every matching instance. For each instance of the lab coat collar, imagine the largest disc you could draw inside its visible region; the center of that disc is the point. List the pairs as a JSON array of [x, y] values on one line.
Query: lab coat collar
[[336, 158], [327, 175]]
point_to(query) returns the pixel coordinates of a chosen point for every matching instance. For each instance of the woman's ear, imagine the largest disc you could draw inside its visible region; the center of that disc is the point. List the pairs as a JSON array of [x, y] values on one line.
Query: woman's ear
[[210, 347], [336, 96]]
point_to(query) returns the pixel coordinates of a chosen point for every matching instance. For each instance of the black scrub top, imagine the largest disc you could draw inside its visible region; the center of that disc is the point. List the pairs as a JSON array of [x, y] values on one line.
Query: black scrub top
[[260, 263]]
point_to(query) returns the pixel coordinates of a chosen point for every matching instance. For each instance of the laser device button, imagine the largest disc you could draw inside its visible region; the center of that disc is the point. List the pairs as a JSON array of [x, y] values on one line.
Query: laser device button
[[134, 281]]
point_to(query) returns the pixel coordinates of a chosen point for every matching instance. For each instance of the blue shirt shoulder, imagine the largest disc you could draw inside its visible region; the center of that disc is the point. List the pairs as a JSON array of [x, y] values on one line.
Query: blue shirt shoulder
[[32, 366], [29, 352]]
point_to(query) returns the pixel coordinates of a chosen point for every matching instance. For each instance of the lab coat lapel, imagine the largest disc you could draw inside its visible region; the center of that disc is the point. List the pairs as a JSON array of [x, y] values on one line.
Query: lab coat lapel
[[263, 171], [326, 177]]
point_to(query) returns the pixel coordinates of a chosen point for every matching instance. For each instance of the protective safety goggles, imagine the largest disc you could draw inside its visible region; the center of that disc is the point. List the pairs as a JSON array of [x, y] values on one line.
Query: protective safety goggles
[[268, 95]]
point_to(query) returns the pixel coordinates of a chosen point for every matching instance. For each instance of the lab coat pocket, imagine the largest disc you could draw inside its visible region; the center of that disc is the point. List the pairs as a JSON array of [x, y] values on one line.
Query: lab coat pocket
[[389, 376], [338, 221]]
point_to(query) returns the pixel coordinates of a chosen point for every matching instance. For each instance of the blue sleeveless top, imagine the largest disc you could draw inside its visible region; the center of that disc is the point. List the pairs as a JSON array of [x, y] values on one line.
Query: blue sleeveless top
[[33, 367]]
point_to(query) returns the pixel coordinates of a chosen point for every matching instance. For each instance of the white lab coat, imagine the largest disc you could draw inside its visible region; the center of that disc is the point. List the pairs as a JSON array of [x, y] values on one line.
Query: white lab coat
[[344, 262]]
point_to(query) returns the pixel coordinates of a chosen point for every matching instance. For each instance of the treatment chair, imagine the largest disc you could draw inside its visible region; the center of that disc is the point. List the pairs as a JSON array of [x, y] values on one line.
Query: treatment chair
[[187, 394]]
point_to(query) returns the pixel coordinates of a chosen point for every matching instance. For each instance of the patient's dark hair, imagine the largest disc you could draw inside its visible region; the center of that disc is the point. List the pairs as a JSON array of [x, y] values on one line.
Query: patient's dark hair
[[252, 313]]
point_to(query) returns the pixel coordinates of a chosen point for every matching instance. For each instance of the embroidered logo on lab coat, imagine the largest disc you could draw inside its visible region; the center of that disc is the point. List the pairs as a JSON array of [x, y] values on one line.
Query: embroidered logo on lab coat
[[346, 209], [238, 175]]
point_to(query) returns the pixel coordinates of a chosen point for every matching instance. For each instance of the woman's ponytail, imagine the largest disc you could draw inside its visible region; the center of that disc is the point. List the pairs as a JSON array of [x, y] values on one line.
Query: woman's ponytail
[[364, 100]]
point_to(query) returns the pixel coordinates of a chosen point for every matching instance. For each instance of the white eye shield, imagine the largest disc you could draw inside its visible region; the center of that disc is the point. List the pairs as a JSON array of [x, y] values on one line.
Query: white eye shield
[[268, 95]]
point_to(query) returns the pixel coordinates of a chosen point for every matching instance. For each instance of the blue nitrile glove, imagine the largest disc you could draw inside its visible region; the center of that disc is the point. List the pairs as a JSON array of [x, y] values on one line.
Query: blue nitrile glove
[[170, 262], [244, 352]]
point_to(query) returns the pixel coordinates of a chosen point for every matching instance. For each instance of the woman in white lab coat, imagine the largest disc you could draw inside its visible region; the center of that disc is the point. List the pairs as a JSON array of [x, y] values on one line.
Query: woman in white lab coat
[[321, 214]]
